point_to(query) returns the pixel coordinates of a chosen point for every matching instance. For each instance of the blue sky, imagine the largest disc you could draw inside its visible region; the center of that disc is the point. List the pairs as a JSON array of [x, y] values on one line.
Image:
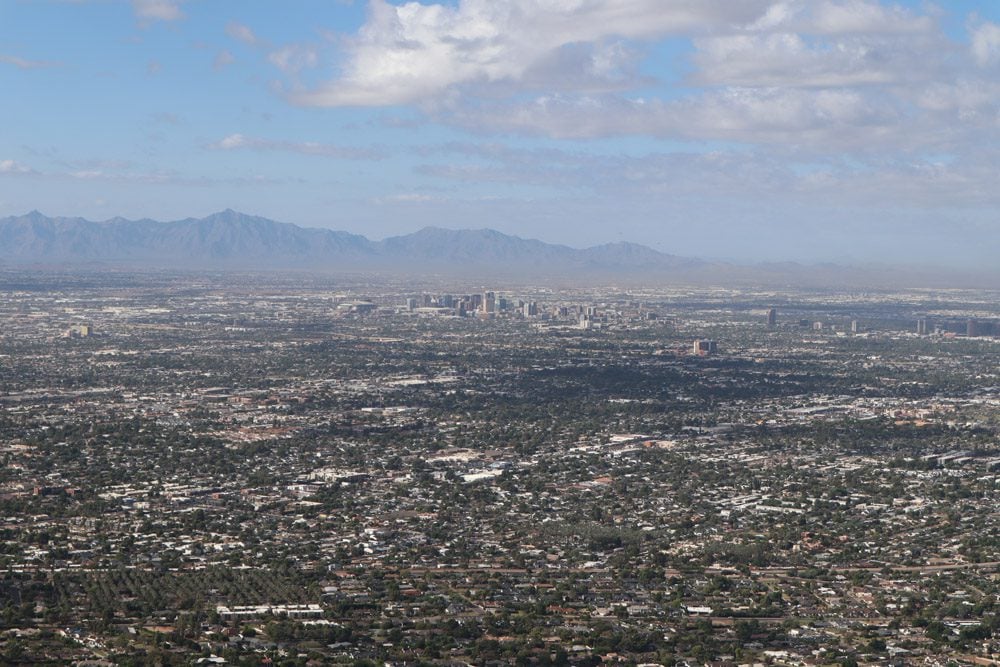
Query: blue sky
[[809, 130]]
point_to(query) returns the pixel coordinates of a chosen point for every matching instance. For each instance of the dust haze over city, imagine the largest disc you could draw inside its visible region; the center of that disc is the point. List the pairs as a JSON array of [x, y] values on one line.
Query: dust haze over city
[[499, 332]]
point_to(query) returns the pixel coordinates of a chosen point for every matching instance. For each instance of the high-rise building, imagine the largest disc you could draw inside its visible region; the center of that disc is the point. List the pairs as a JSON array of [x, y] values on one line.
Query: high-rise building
[[922, 327], [489, 302], [855, 326], [972, 328], [772, 317], [79, 331], [703, 348]]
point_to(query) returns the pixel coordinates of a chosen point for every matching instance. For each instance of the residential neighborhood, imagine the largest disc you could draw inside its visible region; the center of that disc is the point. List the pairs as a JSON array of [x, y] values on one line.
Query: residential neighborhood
[[271, 474]]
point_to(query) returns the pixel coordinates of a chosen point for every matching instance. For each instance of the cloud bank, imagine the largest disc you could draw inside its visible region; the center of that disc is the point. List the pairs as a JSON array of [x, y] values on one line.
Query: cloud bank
[[829, 75]]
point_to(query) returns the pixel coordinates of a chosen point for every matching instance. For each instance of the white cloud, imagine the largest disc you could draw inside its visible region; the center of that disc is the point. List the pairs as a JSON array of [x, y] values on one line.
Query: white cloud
[[153, 177], [231, 142], [747, 175], [294, 58], [834, 75], [824, 44], [865, 16], [986, 44], [223, 59], [410, 197], [841, 17], [23, 63], [792, 59], [88, 174], [242, 33], [14, 167], [290, 59], [811, 118], [966, 98], [114, 171], [412, 52], [239, 141], [157, 10]]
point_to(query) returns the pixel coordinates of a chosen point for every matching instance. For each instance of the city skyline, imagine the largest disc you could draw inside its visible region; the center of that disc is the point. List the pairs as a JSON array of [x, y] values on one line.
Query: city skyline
[[813, 130]]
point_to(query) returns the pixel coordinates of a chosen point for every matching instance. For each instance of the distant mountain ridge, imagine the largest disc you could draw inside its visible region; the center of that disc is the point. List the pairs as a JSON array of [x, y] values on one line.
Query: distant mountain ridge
[[234, 240]]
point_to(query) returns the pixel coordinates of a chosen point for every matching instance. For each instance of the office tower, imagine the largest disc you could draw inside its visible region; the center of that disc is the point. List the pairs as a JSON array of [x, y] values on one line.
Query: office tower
[[772, 317], [704, 348], [79, 331], [922, 327], [972, 328]]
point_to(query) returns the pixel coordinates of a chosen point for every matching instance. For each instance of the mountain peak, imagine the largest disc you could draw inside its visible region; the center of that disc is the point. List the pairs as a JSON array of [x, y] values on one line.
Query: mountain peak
[[230, 215]]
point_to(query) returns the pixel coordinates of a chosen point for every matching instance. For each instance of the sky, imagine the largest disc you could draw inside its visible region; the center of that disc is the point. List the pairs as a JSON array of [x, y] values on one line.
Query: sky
[[756, 130]]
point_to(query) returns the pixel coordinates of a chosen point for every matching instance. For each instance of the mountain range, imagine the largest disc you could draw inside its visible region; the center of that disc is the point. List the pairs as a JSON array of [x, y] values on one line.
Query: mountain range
[[234, 240]]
